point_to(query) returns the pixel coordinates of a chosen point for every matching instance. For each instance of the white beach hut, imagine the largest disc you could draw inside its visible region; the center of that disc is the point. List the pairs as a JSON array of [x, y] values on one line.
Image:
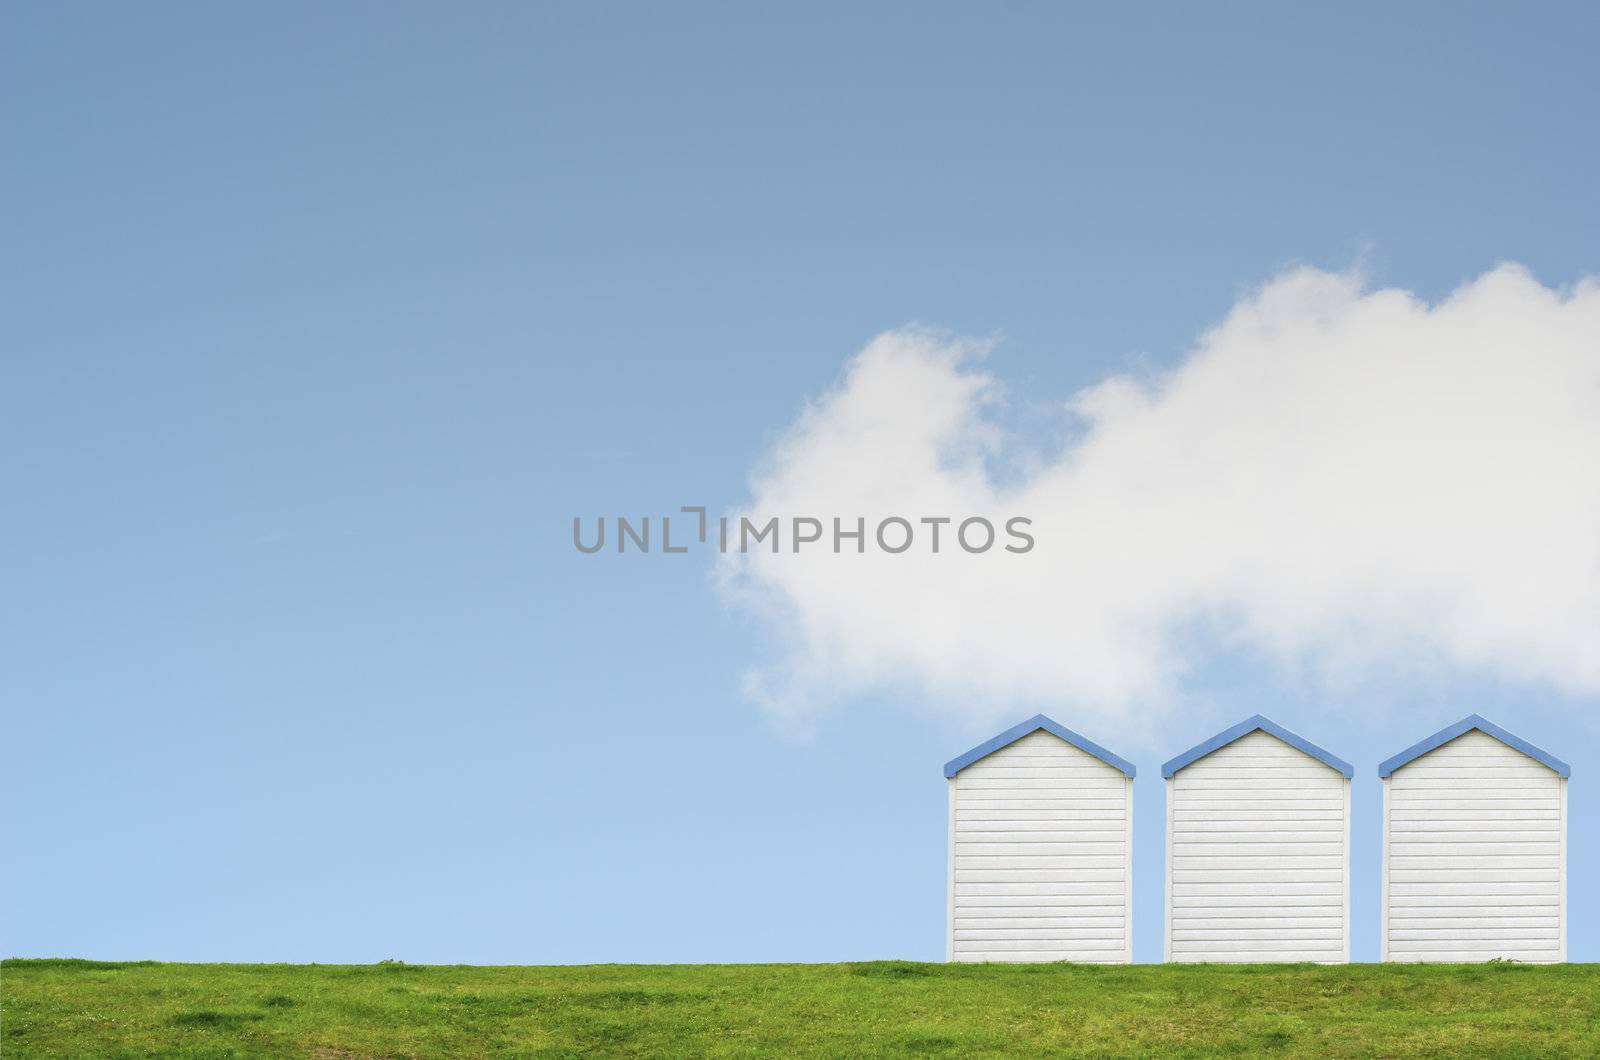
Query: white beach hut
[[1258, 849], [1041, 851], [1474, 848]]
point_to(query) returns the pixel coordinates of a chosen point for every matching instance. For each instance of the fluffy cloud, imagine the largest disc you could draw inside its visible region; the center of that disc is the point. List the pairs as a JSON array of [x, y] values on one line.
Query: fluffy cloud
[[1335, 479]]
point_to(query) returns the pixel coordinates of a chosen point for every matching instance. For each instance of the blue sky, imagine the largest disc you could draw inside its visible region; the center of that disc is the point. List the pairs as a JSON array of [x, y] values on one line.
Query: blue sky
[[322, 324]]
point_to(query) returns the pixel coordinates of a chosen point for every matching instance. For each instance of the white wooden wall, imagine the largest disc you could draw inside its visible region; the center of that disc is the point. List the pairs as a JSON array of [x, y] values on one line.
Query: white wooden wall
[[1474, 866], [1258, 865], [1041, 857]]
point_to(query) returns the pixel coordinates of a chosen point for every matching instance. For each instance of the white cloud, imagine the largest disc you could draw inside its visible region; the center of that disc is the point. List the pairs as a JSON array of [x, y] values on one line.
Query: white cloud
[[1335, 479]]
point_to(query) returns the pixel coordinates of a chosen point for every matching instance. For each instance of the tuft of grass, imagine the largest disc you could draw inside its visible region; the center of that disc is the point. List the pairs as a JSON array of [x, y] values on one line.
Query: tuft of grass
[[891, 969], [74, 1008], [211, 1018], [77, 964]]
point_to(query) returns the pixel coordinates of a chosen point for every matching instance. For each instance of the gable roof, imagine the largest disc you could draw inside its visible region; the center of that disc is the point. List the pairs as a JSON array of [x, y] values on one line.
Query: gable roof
[[1245, 728], [1461, 728], [1033, 725]]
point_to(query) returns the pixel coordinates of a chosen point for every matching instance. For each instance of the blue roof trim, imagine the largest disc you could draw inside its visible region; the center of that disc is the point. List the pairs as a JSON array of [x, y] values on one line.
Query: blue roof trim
[[1245, 728], [1032, 725], [1466, 725]]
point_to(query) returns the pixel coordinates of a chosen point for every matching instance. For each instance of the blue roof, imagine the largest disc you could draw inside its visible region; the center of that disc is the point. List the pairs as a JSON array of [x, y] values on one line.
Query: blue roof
[[1466, 725], [1245, 728], [1032, 725]]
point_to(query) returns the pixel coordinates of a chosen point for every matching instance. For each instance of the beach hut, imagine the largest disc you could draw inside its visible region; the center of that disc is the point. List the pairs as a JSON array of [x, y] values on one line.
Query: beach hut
[[1258, 849], [1041, 851], [1474, 849]]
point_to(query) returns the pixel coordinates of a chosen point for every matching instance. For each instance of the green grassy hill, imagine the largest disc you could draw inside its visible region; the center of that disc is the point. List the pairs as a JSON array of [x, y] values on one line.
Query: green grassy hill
[[94, 1008]]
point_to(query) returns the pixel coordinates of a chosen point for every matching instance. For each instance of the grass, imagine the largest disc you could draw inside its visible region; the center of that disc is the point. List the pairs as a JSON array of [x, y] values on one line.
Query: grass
[[890, 1008]]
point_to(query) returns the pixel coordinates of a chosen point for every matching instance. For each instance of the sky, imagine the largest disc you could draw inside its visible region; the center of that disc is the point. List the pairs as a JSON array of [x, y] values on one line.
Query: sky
[[321, 325]]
